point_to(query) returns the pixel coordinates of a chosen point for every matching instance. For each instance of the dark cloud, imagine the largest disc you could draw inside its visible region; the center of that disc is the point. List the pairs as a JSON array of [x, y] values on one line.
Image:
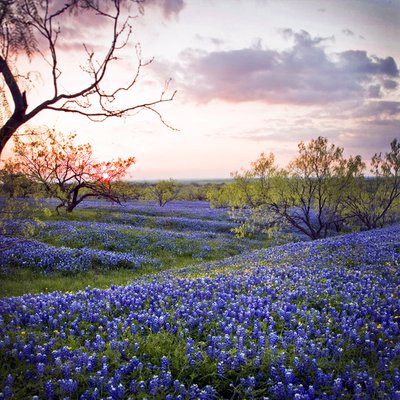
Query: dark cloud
[[389, 84], [303, 74], [348, 32], [357, 61], [84, 26], [374, 91], [371, 136], [170, 8], [378, 110], [303, 36]]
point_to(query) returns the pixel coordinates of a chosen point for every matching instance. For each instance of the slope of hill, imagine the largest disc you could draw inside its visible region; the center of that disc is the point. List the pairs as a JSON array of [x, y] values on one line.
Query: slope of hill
[[303, 320]]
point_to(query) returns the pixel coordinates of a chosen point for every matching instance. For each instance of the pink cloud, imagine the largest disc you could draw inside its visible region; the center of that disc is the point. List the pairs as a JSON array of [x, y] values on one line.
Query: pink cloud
[[303, 74]]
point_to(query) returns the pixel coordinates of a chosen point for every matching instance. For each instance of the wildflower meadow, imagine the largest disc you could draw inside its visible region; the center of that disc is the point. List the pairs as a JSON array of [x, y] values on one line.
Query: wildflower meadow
[[302, 320]]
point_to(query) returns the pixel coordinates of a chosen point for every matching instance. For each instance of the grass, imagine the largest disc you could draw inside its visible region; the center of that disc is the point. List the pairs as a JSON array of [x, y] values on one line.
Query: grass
[[21, 281], [25, 281], [28, 281]]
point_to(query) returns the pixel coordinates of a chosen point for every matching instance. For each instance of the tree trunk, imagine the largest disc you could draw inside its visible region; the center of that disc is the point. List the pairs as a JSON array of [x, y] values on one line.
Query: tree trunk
[[20, 104], [70, 207], [9, 128]]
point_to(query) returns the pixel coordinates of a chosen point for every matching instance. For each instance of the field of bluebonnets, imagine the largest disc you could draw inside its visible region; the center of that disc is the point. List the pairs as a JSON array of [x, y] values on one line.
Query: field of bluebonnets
[[215, 318]]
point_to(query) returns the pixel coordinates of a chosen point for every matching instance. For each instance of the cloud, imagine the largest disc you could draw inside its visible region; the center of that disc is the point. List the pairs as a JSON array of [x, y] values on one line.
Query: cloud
[[83, 26], [346, 96], [374, 91], [169, 8], [389, 84], [304, 74], [357, 61], [370, 137], [378, 110], [348, 32], [209, 40]]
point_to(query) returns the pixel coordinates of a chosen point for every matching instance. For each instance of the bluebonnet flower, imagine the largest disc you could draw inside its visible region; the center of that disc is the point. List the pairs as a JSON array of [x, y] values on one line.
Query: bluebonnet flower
[[274, 319], [154, 385], [164, 363], [132, 386], [49, 390], [68, 385]]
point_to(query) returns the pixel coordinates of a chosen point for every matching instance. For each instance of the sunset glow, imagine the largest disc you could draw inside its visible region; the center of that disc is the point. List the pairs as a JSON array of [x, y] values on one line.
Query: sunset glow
[[251, 76]]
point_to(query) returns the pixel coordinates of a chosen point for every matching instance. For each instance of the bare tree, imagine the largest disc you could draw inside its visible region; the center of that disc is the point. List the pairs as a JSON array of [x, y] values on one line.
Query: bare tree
[[31, 28]]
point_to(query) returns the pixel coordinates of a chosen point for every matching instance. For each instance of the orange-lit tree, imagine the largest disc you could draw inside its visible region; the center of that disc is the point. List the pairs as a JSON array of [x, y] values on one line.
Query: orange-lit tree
[[68, 172], [31, 29]]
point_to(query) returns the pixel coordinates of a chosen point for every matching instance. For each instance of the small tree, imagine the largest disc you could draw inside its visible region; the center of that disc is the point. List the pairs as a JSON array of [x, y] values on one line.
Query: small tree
[[307, 195], [15, 184], [253, 195], [126, 190], [311, 191], [164, 191], [68, 172], [373, 199]]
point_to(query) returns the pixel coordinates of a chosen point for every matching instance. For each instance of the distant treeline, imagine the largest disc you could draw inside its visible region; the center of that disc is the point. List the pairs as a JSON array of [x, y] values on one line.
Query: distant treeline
[[18, 185]]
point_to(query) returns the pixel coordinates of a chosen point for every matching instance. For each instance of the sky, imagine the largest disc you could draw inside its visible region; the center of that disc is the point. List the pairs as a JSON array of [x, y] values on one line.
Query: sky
[[251, 76]]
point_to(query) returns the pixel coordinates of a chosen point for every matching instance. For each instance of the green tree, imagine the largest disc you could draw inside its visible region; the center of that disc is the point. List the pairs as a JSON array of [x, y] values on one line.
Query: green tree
[[194, 191], [310, 193], [164, 191], [374, 200], [222, 195], [66, 171], [39, 28], [15, 184], [127, 190], [307, 195]]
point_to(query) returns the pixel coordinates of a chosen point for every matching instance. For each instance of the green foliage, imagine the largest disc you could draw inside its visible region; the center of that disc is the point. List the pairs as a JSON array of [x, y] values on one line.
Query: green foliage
[[375, 201], [28, 281], [34, 212], [14, 184], [311, 192], [320, 192], [164, 191], [225, 195], [193, 191]]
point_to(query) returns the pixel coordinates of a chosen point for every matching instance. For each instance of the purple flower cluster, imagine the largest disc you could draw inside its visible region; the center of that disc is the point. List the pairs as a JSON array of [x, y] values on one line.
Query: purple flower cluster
[[169, 222], [189, 209], [314, 320], [39, 256], [77, 245]]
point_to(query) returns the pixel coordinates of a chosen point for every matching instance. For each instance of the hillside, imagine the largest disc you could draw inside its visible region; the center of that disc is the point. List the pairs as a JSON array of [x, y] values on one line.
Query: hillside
[[304, 320]]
